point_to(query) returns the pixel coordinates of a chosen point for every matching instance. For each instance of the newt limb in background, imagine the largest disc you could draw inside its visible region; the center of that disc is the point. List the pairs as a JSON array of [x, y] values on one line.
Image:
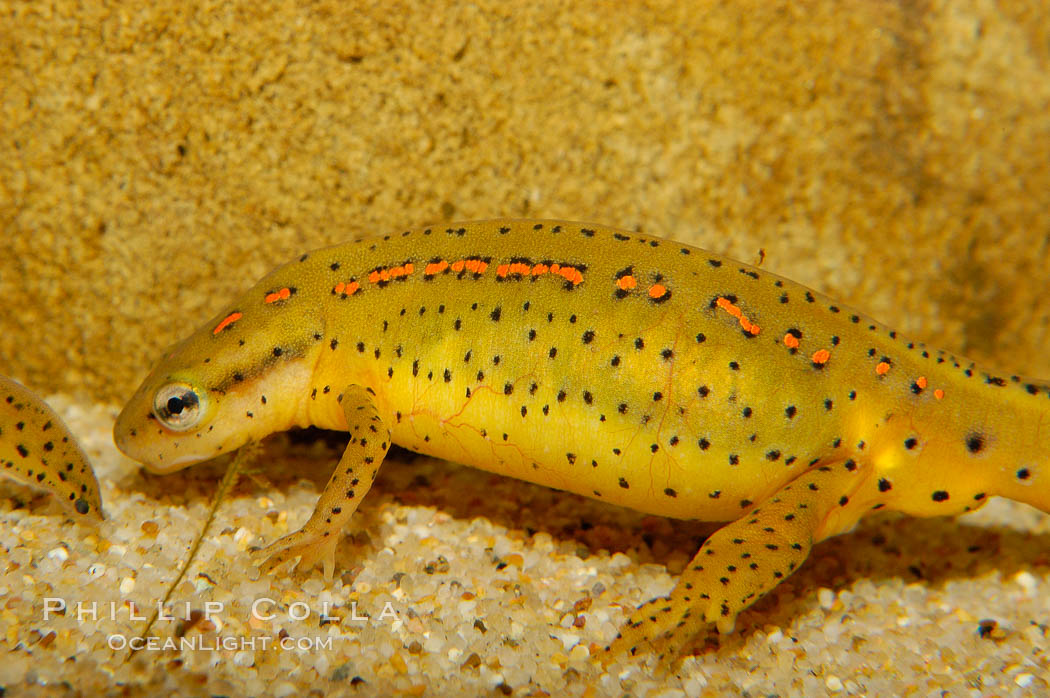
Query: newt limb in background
[[635, 370], [37, 448]]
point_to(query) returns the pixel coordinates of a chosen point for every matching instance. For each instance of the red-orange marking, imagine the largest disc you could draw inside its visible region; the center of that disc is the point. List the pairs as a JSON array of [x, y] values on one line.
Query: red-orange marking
[[882, 368], [347, 289], [435, 268], [821, 356], [569, 273], [790, 341], [921, 382], [281, 295], [388, 274], [657, 291], [626, 283], [939, 394], [226, 322], [728, 306]]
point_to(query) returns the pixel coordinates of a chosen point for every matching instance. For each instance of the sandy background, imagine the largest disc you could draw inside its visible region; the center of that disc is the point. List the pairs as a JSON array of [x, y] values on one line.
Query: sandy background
[[157, 157]]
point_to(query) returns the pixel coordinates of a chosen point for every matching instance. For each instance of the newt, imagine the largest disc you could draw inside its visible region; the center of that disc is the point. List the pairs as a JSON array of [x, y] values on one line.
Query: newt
[[37, 448], [636, 370]]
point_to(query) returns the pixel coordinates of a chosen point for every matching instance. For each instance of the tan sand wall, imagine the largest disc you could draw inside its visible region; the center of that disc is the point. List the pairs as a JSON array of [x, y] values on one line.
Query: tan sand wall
[[156, 157]]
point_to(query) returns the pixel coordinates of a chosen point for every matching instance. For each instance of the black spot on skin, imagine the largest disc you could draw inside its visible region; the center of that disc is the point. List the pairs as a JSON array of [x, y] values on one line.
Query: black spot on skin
[[790, 411], [624, 484], [703, 391], [975, 443], [495, 314], [704, 444], [733, 365], [639, 343], [911, 443], [553, 352], [667, 354], [885, 485], [734, 459], [82, 506], [588, 336], [333, 344], [1023, 474], [670, 492], [939, 496], [561, 396], [277, 351], [508, 389], [22, 450], [615, 361]]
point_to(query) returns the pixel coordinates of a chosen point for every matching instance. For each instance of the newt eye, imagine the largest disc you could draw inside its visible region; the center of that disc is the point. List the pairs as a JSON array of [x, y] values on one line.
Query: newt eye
[[177, 406]]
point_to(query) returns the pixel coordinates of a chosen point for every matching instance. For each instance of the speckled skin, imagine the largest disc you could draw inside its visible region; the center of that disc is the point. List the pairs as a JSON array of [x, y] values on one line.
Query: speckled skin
[[636, 370], [37, 448]]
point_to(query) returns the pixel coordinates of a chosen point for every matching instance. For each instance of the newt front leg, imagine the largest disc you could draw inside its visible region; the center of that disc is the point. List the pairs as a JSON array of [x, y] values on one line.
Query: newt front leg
[[353, 477]]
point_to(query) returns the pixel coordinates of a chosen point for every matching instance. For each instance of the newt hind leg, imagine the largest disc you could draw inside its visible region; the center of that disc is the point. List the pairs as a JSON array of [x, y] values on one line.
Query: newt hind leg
[[316, 541], [745, 559]]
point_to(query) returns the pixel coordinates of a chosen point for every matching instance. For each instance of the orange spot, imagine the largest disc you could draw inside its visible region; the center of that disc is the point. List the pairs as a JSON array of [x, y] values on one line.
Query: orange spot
[[349, 289], [339, 287], [657, 291], [626, 283], [458, 266], [570, 274], [435, 268], [501, 270], [374, 277], [921, 382], [790, 341], [409, 268], [540, 269], [519, 268], [555, 268], [226, 322], [882, 368], [727, 305], [821, 356], [939, 394], [281, 295]]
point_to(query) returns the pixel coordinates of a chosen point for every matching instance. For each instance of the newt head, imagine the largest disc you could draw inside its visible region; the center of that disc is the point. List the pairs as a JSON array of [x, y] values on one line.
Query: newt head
[[239, 377]]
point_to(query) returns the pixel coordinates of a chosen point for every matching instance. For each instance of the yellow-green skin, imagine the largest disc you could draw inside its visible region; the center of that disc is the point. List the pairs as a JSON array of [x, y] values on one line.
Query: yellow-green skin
[[649, 374], [37, 448]]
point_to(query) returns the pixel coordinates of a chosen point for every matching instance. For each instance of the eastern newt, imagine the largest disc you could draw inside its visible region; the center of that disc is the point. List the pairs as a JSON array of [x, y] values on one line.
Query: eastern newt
[[36, 447], [636, 370]]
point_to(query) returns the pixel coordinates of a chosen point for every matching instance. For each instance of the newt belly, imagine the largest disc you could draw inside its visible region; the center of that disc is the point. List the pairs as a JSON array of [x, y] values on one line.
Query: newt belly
[[639, 371]]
